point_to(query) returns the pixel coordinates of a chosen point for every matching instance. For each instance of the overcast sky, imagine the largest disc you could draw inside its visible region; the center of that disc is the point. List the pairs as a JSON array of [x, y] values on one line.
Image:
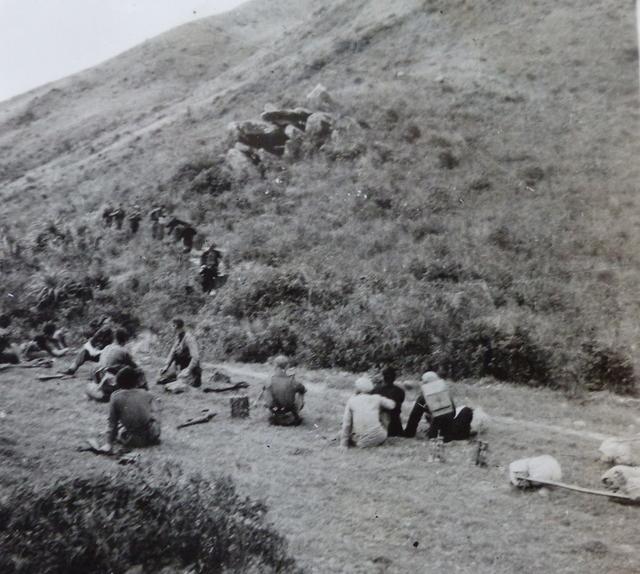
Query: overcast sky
[[44, 40]]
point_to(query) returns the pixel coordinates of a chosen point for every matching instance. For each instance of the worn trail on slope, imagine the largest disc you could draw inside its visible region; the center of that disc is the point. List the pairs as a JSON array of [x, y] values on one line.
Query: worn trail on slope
[[248, 371]]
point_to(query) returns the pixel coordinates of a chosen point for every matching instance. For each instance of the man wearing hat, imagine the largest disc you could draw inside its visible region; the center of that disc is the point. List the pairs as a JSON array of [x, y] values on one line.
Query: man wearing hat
[[133, 416], [284, 396], [362, 424], [436, 404]]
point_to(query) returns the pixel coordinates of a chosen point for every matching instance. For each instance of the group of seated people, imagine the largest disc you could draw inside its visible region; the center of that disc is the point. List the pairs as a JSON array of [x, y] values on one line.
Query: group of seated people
[[117, 378], [373, 413], [49, 343]]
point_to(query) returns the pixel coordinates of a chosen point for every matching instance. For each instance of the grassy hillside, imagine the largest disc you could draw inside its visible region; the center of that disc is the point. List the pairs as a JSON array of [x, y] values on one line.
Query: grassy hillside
[[474, 210]]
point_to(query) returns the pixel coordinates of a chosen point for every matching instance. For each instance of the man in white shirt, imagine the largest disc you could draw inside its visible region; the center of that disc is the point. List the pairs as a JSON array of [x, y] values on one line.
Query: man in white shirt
[[362, 423]]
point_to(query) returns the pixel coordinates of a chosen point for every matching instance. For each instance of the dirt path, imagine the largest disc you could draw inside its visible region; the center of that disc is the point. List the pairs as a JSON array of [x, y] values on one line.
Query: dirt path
[[540, 428]]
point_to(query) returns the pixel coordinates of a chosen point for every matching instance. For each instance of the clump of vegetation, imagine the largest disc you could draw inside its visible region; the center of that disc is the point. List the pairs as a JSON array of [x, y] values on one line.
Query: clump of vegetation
[[608, 368], [137, 518]]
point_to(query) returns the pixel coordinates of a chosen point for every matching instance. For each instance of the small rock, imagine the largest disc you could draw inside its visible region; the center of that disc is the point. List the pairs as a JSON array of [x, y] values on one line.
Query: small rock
[[293, 147], [579, 424], [220, 377], [239, 166], [319, 127], [320, 99], [137, 569], [595, 547]]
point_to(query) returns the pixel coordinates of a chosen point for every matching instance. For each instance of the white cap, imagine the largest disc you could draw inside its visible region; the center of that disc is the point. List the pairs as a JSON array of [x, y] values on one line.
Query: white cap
[[364, 385], [430, 377]]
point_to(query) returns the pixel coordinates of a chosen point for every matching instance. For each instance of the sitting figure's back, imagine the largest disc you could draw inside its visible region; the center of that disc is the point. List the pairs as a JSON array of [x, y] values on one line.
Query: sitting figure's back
[[133, 416], [284, 396]]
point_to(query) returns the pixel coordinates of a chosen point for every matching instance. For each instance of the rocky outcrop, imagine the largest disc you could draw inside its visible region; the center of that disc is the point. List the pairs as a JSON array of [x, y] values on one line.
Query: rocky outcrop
[[280, 132]]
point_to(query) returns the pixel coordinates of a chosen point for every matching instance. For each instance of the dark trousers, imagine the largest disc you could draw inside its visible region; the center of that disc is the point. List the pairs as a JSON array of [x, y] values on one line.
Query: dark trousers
[[452, 427], [449, 427], [82, 357]]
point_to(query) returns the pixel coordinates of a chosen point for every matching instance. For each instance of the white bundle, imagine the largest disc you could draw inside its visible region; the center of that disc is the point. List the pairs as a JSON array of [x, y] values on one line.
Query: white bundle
[[620, 451], [480, 421], [623, 479], [543, 467]]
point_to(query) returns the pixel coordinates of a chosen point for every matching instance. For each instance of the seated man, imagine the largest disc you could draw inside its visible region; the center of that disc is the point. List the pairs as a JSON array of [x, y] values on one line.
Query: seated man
[[113, 358], [362, 424], [91, 350], [8, 355], [284, 396], [44, 345], [436, 404], [396, 394], [133, 415], [185, 357]]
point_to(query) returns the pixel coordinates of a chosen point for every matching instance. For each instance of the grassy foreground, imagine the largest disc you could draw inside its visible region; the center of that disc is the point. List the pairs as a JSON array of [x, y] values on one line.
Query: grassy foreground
[[385, 510]]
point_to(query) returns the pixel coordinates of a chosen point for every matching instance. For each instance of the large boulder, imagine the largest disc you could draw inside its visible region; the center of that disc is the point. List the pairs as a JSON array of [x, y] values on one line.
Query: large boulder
[[319, 127], [320, 99], [259, 135], [286, 117]]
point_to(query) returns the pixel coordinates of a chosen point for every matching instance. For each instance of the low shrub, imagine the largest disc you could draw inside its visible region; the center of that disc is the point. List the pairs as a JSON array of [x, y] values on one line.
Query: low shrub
[[607, 368], [137, 518], [481, 349]]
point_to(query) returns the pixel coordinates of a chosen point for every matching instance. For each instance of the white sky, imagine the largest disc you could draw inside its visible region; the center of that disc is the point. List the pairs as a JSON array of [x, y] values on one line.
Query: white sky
[[44, 40]]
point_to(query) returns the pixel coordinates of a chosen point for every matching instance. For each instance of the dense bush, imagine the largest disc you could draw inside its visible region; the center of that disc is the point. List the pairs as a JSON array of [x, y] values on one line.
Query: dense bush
[[112, 523], [607, 368]]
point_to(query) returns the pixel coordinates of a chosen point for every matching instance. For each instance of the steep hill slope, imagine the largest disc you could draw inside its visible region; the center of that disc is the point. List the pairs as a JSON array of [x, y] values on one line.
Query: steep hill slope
[[474, 209]]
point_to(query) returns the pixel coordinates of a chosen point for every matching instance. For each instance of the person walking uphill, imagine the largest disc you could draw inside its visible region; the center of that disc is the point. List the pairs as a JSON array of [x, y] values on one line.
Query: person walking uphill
[[284, 396], [396, 394], [133, 415], [362, 422], [185, 358], [436, 404]]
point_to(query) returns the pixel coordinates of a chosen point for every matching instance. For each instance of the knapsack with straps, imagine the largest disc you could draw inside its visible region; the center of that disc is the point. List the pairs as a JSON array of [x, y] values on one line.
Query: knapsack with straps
[[437, 398]]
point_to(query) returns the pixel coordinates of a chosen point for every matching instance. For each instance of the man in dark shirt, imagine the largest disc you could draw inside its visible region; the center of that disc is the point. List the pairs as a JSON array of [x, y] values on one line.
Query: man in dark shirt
[[396, 394], [133, 414], [113, 358], [134, 220], [118, 216], [284, 396]]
